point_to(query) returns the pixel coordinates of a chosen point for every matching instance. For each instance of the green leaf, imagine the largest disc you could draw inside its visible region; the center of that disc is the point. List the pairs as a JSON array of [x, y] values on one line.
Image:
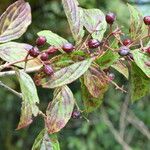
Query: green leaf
[[59, 110], [137, 26], [30, 99], [122, 68], [94, 22], [14, 21], [93, 86], [140, 83], [52, 38], [44, 141], [13, 51], [74, 15], [107, 59], [141, 59], [66, 75]]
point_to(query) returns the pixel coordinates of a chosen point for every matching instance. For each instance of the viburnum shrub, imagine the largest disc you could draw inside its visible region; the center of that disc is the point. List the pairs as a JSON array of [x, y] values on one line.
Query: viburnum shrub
[[96, 48]]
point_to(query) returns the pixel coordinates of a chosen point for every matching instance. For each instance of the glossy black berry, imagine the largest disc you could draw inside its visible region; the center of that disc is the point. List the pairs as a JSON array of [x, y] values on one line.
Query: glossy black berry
[[110, 18], [41, 41], [68, 47], [124, 51], [127, 42], [147, 20], [34, 52], [93, 43], [48, 70], [51, 50], [76, 114], [44, 56]]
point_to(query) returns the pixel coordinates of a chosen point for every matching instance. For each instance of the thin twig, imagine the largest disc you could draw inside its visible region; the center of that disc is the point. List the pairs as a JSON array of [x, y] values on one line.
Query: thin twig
[[10, 73], [114, 131], [10, 89]]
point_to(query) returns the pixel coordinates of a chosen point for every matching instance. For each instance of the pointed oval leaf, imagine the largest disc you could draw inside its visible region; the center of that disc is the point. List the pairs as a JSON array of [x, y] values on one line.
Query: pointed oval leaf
[[59, 110], [13, 51], [107, 59], [95, 82], [74, 14], [94, 22], [137, 27], [44, 141], [66, 75], [140, 83], [14, 21], [141, 59], [52, 38], [29, 99]]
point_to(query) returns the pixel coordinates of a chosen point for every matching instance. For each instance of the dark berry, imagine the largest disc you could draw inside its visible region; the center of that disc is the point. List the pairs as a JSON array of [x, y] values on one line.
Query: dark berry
[[110, 18], [48, 70], [127, 42], [68, 47], [93, 43], [44, 56], [51, 50], [124, 51], [147, 20], [76, 114], [41, 41], [111, 76], [34, 52], [148, 50]]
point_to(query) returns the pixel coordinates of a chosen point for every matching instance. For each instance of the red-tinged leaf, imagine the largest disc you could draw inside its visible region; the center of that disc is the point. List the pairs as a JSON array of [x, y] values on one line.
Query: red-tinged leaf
[[122, 68], [96, 82], [13, 51], [14, 21], [66, 75], [94, 90], [137, 27], [59, 110], [140, 83], [29, 97], [74, 15], [94, 22], [45, 141], [140, 59]]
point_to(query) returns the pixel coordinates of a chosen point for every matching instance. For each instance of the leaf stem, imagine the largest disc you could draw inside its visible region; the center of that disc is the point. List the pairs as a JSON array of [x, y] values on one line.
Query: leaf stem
[[10, 89]]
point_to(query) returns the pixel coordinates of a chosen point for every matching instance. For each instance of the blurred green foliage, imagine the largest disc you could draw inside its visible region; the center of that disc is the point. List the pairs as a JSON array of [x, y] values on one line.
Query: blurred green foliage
[[78, 134]]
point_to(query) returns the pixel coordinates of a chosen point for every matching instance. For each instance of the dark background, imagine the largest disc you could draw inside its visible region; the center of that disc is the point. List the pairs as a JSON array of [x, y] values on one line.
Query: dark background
[[78, 134]]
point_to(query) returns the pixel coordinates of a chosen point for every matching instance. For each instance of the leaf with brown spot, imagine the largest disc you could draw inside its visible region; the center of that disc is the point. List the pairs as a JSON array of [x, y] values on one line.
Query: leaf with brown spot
[[29, 97], [45, 141], [140, 83], [59, 110], [13, 51], [14, 21], [66, 75], [93, 86]]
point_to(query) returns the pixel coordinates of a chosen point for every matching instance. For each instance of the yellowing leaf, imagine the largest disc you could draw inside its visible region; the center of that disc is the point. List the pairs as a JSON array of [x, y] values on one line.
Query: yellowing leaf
[[13, 51], [30, 98], [74, 14], [94, 22], [14, 21], [59, 110], [44, 141], [66, 75]]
